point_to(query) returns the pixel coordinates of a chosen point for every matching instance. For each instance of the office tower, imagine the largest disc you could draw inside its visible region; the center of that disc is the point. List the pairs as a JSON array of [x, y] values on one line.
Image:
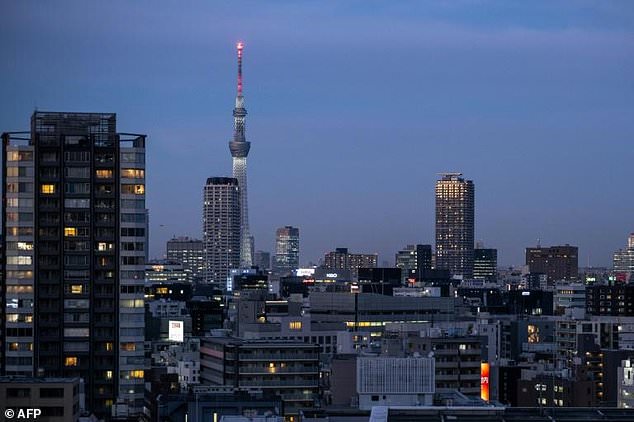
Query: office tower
[[74, 218], [413, 260], [239, 148], [341, 259], [189, 252], [221, 229], [262, 260], [623, 260], [286, 250], [485, 264], [557, 262], [455, 204]]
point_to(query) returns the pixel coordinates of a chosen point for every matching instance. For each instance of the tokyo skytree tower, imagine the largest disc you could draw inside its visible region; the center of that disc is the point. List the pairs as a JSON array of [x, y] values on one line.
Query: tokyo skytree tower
[[239, 148]]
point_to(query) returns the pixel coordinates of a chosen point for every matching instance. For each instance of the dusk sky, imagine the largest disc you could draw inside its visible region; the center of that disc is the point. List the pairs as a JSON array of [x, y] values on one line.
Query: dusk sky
[[354, 108]]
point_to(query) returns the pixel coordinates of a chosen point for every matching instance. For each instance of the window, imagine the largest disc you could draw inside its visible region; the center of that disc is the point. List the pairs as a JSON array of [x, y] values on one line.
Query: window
[[105, 246], [77, 172], [295, 325], [49, 393], [133, 189], [19, 156], [128, 347], [77, 187], [104, 174], [77, 203], [77, 289], [70, 231], [47, 189], [19, 260], [71, 361], [18, 392], [76, 332], [133, 173]]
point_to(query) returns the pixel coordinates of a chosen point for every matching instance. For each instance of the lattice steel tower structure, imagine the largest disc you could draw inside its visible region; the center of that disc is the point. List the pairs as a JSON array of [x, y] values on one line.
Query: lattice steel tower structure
[[239, 148]]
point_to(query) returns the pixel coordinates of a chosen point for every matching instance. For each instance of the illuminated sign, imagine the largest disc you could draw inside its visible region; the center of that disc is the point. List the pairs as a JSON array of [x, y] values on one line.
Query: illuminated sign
[[526, 293], [484, 381], [176, 331], [304, 272], [331, 275]]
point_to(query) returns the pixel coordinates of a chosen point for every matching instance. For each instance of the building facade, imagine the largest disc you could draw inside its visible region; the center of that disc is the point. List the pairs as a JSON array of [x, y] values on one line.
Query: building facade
[[341, 259], [557, 262], [286, 249], [190, 253], [485, 264], [413, 260], [455, 206], [221, 229], [623, 260], [75, 224]]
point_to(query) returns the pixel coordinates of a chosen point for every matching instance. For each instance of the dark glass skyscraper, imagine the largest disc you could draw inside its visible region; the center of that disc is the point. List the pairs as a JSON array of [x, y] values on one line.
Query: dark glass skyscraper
[[74, 217], [286, 249], [485, 263], [455, 206]]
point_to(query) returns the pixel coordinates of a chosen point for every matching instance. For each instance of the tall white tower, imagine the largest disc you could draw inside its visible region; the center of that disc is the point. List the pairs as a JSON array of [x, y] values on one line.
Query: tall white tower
[[239, 148]]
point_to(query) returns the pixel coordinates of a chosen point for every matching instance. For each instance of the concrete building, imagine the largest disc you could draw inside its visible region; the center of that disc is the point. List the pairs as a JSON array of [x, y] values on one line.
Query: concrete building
[[165, 271], [58, 399], [557, 262], [76, 189], [287, 369], [625, 384], [190, 254], [221, 229], [341, 259], [386, 381]]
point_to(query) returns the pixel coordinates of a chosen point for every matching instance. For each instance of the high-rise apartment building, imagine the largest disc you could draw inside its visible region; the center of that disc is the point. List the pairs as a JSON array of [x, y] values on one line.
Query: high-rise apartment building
[[485, 264], [623, 260], [190, 253], [455, 206], [221, 229], [74, 220], [341, 259], [239, 148], [557, 262], [413, 260], [286, 250]]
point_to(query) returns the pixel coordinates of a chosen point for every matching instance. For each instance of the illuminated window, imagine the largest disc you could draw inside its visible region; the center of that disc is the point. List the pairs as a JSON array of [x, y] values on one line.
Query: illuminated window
[[14, 346], [128, 347], [162, 290], [139, 189], [103, 246], [104, 174], [108, 375], [12, 317], [109, 346], [76, 289], [48, 189], [71, 361], [295, 325], [25, 246], [70, 231], [133, 173]]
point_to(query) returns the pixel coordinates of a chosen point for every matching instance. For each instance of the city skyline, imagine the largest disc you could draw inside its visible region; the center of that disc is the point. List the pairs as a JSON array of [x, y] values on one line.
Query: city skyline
[[521, 146]]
